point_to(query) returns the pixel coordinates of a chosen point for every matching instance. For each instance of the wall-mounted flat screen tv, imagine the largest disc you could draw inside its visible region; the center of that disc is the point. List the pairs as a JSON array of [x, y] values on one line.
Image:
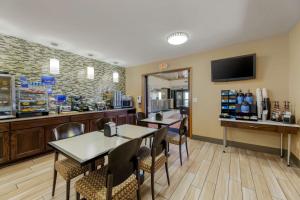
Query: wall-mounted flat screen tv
[[234, 69]]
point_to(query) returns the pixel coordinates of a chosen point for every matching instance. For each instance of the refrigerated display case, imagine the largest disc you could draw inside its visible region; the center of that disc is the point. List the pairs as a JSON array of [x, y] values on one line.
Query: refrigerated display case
[[7, 96], [32, 101]]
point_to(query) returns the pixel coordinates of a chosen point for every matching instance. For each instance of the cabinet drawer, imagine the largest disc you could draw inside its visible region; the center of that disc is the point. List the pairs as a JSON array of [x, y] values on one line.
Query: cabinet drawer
[[261, 127], [4, 127]]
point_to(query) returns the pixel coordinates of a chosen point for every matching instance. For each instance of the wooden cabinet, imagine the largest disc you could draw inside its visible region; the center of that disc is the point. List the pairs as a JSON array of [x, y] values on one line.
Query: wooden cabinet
[[4, 127], [131, 119], [27, 142], [122, 119], [4, 147], [119, 117], [93, 126], [112, 115]]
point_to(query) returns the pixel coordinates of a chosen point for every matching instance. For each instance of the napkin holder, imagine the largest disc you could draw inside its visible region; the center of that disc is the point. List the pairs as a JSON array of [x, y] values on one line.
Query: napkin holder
[[158, 116], [110, 129]]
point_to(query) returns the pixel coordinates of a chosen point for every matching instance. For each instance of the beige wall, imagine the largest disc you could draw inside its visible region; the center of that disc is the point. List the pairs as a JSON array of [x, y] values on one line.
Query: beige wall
[[294, 52], [272, 73]]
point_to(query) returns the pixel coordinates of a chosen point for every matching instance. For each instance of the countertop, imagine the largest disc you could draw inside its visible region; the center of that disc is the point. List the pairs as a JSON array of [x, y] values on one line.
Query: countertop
[[63, 114], [268, 122]]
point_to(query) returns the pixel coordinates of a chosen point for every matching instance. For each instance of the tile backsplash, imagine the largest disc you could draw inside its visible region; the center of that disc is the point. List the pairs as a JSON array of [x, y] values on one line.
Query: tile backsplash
[[21, 57]]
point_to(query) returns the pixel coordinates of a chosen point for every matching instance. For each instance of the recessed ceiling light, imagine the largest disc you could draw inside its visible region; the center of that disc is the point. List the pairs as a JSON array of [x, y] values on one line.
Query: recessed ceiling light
[[178, 38]]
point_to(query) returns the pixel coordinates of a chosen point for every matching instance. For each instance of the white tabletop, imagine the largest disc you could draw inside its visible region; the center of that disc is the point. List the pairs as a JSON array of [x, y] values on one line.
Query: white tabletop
[[132, 131], [164, 121], [268, 122], [88, 146]]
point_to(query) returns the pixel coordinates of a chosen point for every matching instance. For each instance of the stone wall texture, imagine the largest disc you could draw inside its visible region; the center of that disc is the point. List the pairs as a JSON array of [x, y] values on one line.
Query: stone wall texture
[[21, 57]]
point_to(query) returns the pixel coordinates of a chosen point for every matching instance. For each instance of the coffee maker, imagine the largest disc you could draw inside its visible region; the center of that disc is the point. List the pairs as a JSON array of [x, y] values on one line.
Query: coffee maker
[[78, 103]]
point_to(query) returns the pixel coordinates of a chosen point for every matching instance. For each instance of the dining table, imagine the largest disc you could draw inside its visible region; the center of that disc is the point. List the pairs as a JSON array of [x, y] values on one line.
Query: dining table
[[164, 122], [89, 147], [129, 131]]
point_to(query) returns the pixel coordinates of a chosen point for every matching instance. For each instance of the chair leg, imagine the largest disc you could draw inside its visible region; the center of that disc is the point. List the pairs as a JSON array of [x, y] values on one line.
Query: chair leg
[[180, 156], [167, 172], [146, 141], [152, 185], [77, 196], [54, 182], [68, 190], [187, 150], [138, 193], [168, 147]]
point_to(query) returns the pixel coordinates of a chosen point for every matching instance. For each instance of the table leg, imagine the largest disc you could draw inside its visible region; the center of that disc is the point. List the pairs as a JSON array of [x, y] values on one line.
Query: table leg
[[289, 149], [224, 139], [281, 145], [93, 165]]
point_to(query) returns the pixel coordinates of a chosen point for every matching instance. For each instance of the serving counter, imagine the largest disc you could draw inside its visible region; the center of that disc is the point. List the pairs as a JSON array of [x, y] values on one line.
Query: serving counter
[[25, 137]]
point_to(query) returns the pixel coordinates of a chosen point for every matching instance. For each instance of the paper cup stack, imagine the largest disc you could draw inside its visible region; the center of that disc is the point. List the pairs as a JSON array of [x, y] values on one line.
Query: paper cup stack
[[259, 100]]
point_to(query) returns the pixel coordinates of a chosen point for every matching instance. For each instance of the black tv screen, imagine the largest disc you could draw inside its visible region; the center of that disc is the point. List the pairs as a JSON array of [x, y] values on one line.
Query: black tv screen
[[233, 69]]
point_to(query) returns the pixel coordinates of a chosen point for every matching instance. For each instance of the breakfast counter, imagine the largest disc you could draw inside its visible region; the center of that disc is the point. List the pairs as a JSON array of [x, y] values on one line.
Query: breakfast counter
[[25, 137], [62, 114]]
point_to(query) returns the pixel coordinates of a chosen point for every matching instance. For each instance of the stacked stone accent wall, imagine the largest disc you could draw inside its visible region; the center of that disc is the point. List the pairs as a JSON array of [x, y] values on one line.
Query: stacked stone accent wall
[[21, 57]]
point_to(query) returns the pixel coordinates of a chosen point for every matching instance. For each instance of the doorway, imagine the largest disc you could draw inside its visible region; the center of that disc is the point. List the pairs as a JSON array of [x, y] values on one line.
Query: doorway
[[169, 92]]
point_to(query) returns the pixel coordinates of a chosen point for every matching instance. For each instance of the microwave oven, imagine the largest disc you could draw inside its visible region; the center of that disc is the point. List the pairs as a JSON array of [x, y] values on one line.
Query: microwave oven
[[127, 102]]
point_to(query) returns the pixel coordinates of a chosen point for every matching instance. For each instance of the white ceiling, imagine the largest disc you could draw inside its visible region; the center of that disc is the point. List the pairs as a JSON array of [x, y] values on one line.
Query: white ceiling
[[134, 32]]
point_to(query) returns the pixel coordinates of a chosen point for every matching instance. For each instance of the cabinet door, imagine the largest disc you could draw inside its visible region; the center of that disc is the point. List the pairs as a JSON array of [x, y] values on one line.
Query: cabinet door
[[122, 119], [131, 119], [112, 116], [93, 126], [27, 142], [4, 147]]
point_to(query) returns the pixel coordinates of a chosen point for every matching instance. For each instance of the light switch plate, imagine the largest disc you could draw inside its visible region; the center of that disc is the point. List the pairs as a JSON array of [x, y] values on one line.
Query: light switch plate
[[195, 100]]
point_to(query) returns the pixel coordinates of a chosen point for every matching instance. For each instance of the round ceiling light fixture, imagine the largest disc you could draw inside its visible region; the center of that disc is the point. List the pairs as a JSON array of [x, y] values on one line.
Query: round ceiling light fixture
[[178, 38]]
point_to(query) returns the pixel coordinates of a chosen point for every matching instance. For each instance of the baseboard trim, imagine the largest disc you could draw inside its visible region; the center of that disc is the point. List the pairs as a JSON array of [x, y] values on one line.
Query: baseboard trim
[[253, 147]]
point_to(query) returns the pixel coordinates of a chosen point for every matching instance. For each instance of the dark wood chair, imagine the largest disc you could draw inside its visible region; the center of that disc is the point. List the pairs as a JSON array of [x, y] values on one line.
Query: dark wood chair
[[100, 123], [179, 138], [118, 180], [153, 159], [67, 168], [184, 111], [140, 116]]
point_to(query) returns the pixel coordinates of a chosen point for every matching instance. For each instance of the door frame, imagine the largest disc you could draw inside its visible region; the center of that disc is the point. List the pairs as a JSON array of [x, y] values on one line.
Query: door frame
[[145, 93]]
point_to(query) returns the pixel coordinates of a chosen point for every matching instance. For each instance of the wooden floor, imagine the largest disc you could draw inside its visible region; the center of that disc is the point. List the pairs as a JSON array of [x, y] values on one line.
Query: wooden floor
[[207, 174]]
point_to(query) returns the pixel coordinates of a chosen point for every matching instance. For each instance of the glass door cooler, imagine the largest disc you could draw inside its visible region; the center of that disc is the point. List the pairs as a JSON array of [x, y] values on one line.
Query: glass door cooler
[[32, 101], [7, 96]]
